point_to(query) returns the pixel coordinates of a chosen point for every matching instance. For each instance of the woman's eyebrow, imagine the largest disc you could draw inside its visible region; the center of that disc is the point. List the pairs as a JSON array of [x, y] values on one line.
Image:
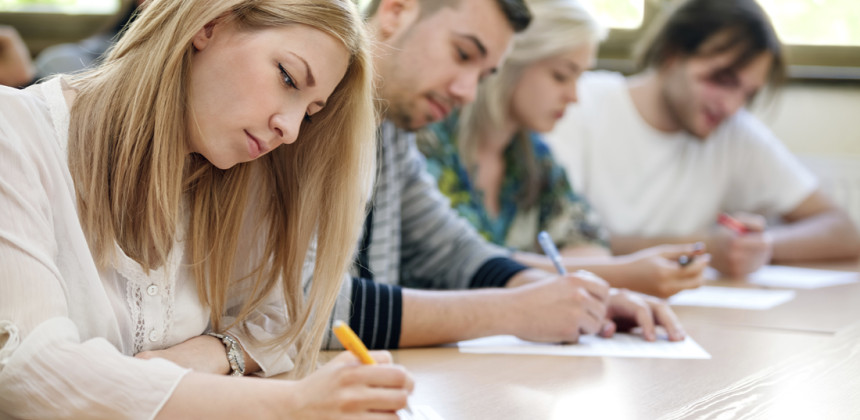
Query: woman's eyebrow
[[309, 75]]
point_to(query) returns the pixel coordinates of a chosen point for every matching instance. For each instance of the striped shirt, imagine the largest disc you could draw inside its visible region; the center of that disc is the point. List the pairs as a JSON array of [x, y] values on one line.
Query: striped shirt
[[412, 238]]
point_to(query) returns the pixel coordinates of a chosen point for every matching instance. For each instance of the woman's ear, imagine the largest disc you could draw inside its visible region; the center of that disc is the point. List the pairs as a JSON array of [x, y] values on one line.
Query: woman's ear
[[204, 36]]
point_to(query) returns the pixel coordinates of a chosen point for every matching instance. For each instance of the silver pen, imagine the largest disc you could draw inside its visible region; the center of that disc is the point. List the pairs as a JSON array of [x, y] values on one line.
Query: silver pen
[[551, 251]]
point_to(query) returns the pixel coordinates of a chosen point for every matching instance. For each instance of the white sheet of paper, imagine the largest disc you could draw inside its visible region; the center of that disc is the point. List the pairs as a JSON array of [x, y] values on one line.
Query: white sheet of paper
[[419, 412], [621, 345], [730, 297], [800, 278]]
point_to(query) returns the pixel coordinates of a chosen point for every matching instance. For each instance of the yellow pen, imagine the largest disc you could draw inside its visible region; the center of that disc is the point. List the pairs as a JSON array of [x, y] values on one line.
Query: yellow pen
[[351, 342]]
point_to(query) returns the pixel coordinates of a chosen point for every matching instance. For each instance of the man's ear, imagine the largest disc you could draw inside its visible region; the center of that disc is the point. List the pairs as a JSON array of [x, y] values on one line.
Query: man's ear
[[204, 36], [669, 60], [394, 16]]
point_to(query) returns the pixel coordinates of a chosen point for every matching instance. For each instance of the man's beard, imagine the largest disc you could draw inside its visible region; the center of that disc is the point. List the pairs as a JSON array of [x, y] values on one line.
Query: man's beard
[[400, 116], [676, 110]]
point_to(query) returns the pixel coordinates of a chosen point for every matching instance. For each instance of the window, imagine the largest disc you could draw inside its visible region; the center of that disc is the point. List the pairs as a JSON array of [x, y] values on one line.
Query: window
[[816, 22], [821, 37], [619, 14], [43, 23], [626, 20], [95, 7]]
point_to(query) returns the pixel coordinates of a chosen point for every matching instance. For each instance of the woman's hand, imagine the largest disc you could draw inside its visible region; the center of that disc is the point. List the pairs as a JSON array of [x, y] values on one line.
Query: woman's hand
[[657, 272], [345, 388], [342, 389]]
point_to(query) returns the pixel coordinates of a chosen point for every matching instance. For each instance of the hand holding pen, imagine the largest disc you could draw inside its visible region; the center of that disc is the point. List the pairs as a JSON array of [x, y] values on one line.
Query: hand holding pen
[[733, 224], [740, 244], [350, 341], [625, 306], [582, 296], [345, 388], [551, 252], [664, 270], [687, 259]]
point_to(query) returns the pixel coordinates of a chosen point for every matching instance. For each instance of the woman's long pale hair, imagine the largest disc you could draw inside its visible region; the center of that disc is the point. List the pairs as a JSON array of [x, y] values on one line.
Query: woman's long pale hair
[[557, 26], [128, 157]]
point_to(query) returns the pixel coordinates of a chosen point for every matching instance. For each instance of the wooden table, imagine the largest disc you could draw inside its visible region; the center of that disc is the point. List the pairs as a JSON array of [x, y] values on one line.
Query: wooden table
[[825, 310], [818, 383], [801, 360]]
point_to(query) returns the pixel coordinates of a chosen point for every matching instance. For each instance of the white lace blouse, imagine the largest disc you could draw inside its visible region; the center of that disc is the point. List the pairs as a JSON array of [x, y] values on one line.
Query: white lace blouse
[[68, 330]]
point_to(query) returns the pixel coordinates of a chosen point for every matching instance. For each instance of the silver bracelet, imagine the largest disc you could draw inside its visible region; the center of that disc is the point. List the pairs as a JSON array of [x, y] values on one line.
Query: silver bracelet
[[234, 353]]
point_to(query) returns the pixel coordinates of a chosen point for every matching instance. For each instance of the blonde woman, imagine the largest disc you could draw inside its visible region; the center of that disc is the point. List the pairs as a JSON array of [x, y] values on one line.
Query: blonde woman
[[492, 164], [175, 191]]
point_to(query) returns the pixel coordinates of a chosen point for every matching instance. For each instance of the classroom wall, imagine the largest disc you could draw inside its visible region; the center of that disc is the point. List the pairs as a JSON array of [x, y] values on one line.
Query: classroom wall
[[820, 123], [40, 30], [817, 119]]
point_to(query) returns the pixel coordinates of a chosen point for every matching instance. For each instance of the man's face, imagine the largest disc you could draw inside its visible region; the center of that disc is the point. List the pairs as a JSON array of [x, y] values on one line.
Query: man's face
[[433, 64], [701, 92]]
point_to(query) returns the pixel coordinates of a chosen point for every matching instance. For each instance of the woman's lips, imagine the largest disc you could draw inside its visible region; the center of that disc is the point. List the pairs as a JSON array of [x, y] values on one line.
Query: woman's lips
[[255, 147]]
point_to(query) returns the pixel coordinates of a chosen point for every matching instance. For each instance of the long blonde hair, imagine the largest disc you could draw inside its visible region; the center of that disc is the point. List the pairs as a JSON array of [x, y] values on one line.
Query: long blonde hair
[[129, 162], [557, 26]]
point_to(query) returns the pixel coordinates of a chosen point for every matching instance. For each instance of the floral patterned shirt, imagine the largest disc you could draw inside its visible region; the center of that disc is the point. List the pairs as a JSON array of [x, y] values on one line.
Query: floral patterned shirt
[[559, 210]]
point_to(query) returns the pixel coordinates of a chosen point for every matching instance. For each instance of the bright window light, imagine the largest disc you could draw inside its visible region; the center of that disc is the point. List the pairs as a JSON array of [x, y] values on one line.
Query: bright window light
[[815, 22], [618, 14], [95, 7]]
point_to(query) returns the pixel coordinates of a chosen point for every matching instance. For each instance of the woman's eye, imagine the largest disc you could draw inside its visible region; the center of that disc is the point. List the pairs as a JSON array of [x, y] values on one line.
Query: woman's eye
[[286, 78], [462, 54], [559, 77], [308, 118]]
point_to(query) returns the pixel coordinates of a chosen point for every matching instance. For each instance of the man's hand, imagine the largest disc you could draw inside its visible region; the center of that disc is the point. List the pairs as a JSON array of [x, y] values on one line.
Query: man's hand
[[738, 254], [630, 309], [560, 308]]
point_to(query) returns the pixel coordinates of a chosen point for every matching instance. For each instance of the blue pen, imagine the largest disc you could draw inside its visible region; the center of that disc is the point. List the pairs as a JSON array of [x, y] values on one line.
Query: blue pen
[[551, 251]]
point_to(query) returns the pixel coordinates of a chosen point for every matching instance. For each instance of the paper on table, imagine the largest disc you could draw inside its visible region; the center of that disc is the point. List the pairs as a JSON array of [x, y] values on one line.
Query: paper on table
[[621, 345], [800, 278], [420, 412], [729, 297]]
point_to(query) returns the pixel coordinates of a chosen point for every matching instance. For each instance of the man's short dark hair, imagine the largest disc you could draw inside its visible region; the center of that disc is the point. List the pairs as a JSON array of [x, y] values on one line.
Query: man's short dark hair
[[516, 11], [682, 32]]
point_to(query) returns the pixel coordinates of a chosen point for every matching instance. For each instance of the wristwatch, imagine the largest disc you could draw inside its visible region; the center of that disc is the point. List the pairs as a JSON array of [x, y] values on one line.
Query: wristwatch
[[234, 353]]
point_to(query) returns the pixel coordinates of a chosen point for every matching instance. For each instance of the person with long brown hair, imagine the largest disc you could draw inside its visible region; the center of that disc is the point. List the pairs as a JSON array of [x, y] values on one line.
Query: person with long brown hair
[[167, 203]]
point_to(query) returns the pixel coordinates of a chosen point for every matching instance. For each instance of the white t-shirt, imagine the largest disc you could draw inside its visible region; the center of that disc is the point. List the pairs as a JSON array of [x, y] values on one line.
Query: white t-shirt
[[67, 329], [648, 183]]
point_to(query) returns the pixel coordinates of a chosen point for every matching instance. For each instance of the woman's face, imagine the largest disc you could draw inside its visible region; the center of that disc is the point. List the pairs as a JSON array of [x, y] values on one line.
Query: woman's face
[[251, 90], [547, 86]]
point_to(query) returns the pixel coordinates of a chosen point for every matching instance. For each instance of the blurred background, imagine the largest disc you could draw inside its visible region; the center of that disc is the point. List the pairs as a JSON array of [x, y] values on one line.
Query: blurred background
[[816, 114]]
